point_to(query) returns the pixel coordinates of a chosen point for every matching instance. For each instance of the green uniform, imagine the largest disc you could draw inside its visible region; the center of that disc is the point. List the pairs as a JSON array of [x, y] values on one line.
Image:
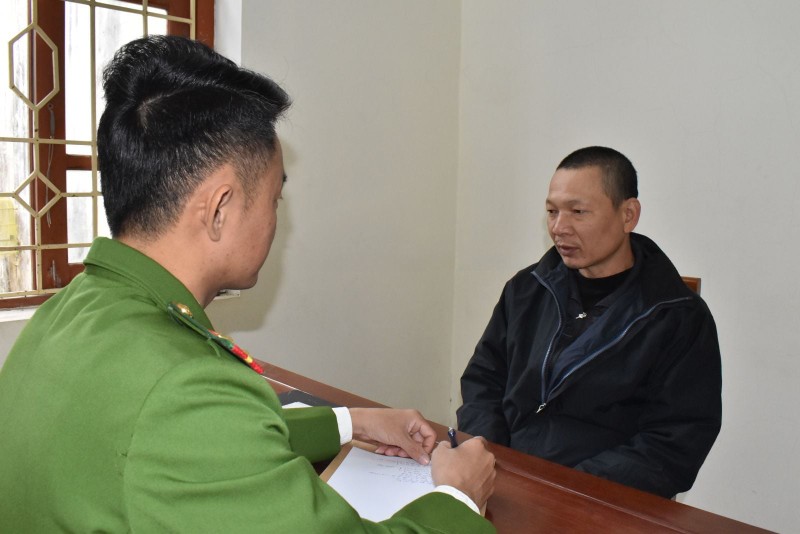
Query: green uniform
[[115, 417]]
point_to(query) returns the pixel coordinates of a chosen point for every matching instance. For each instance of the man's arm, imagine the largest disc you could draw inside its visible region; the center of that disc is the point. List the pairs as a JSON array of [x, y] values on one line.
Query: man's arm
[[682, 420], [484, 381], [466, 472], [313, 432], [211, 453]]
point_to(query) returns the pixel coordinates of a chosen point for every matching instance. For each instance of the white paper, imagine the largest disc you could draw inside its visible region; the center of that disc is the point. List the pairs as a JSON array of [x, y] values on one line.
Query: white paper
[[296, 404], [377, 486]]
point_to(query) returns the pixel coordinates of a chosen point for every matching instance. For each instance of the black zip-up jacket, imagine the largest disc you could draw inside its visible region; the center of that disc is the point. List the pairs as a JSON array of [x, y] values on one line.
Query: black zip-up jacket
[[635, 398]]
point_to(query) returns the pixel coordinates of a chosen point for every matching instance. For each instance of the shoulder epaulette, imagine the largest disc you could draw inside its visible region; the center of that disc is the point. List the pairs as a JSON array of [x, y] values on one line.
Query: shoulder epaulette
[[183, 315]]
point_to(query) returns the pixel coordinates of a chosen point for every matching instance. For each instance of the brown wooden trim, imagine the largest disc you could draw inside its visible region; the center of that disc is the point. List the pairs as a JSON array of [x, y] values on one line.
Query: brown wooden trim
[[51, 20], [283, 380], [204, 10], [692, 282], [78, 163], [204, 20], [23, 302], [534, 495], [75, 269]]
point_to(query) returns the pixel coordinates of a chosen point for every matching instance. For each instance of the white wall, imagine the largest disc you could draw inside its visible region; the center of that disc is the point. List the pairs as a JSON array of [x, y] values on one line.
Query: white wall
[[9, 330], [704, 97], [358, 290], [419, 150]]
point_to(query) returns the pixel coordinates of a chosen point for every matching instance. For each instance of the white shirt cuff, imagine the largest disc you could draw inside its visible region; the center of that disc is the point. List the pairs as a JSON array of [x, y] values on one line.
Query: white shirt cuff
[[460, 495], [345, 423]]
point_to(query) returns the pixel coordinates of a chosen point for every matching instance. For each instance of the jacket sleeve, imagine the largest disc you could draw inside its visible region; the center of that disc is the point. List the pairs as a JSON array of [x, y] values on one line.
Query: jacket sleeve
[[211, 452], [313, 432], [682, 417], [484, 381]]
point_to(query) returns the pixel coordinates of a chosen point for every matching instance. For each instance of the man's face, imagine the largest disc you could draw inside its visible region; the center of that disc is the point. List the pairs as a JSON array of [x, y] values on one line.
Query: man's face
[[257, 223], [588, 232]]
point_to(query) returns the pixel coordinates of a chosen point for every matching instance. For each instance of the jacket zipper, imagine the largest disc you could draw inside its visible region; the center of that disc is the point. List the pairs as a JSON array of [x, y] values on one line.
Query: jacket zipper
[[587, 360], [550, 346]]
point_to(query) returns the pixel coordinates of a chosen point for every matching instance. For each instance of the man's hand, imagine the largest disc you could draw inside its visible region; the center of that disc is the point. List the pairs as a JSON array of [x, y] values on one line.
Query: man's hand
[[396, 432], [469, 467]]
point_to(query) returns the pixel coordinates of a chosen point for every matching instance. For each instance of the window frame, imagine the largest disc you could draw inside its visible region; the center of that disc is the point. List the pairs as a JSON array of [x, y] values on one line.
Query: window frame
[[50, 265]]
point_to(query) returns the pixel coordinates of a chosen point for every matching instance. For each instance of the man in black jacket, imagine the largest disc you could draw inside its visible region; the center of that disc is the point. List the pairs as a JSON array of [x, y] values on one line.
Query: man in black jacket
[[599, 357]]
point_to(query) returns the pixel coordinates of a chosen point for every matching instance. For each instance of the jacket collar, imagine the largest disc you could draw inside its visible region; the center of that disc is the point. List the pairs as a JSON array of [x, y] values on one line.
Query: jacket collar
[[114, 258], [653, 278]]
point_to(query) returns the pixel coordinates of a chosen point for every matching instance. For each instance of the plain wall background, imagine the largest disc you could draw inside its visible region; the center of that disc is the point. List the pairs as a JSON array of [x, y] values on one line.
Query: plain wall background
[[419, 150], [704, 97], [358, 288]]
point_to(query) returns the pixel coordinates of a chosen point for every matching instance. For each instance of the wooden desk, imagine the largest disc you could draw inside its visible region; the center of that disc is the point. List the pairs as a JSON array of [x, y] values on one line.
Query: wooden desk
[[534, 495]]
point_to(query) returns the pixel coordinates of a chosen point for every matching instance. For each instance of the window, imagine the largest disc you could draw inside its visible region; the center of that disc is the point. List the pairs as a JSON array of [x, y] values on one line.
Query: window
[[51, 206]]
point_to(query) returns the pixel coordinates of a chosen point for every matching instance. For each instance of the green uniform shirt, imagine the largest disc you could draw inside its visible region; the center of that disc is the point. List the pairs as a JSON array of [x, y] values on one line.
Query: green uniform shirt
[[114, 417]]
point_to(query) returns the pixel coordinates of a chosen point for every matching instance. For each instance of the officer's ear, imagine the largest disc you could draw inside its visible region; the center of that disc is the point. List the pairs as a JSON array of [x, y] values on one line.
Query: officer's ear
[[218, 211]]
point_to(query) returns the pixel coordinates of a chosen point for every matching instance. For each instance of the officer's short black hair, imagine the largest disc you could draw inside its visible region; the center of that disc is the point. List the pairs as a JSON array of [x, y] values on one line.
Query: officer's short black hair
[[175, 112], [619, 177]]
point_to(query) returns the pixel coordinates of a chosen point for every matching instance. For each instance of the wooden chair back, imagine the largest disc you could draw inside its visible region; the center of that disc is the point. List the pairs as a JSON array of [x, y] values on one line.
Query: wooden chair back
[[692, 282]]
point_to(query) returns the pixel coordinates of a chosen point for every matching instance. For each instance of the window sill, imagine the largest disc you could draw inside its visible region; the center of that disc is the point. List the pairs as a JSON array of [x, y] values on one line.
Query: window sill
[[11, 315], [17, 314]]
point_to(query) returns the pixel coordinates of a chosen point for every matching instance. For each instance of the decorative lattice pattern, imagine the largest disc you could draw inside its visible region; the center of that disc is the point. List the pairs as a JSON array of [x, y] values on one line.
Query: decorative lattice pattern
[[24, 211]]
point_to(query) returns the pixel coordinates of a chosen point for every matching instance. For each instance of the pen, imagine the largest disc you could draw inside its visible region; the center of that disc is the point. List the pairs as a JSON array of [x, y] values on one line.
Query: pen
[[451, 433]]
